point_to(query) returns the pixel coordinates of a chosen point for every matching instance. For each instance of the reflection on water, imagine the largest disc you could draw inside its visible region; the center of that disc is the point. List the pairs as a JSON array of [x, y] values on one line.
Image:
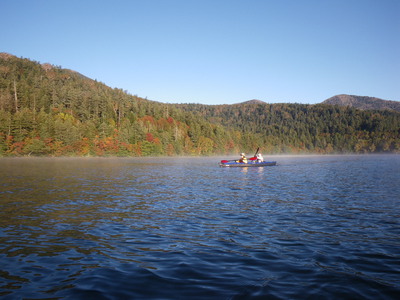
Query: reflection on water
[[325, 227]]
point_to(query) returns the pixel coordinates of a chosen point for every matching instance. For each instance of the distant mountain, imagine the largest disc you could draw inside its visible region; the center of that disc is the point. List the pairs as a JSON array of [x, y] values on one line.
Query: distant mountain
[[253, 101], [363, 102]]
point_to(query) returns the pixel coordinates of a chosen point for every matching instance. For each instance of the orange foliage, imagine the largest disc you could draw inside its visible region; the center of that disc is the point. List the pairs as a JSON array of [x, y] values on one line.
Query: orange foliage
[[82, 147], [148, 119], [170, 150], [149, 137]]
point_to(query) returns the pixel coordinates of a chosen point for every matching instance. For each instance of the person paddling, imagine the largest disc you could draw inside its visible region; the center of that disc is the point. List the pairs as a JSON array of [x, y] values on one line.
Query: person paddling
[[260, 158], [243, 158]]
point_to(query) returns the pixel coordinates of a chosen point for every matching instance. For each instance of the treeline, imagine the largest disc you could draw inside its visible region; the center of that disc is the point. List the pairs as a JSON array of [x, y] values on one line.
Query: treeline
[[47, 110], [302, 128]]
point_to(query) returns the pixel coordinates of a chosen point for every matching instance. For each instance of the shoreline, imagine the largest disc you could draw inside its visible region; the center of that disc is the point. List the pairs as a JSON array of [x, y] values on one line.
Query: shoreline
[[194, 157]]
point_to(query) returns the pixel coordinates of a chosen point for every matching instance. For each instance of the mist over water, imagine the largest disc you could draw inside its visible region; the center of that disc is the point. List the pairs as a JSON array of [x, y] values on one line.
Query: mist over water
[[182, 228]]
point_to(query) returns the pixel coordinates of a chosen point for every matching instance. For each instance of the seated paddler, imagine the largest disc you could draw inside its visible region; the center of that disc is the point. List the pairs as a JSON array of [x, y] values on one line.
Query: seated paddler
[[243, 158]]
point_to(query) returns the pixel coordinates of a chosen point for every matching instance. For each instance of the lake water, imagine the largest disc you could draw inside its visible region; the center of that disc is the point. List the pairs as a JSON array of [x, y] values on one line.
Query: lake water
[[312, 227]]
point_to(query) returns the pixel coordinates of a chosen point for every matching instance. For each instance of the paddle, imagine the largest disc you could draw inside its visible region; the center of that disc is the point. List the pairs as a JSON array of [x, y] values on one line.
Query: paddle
[[225, 161], [254, 156], [256, 152]]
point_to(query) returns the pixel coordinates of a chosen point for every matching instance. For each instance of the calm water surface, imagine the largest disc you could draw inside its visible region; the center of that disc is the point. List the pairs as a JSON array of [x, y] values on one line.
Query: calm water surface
[[311, 227]]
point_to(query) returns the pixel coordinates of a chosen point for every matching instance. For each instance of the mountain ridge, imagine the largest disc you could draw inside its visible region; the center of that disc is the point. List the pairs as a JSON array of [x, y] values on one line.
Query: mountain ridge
[[363, 102]]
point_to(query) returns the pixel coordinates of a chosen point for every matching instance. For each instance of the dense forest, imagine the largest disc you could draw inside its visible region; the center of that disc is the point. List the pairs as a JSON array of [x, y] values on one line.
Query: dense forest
[[301, 128], [48, 110]]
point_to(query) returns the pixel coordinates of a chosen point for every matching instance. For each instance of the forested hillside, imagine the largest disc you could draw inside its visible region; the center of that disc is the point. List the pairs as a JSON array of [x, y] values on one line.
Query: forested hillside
[[320, 128], [47, 110]]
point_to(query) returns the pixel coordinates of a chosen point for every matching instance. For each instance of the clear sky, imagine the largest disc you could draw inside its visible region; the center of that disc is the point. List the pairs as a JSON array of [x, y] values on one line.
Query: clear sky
[[215, 51]]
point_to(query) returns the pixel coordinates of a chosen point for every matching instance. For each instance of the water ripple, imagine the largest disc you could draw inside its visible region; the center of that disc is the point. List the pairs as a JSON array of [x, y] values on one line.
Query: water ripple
[[311, 227]]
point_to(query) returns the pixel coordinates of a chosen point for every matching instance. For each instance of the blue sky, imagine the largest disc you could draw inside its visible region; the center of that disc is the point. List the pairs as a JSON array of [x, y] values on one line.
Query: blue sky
[[215, 51]]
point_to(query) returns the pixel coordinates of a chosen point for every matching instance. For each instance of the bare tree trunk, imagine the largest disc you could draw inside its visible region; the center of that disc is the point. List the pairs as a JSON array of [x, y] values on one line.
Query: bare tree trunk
[[166, 112], [119, 117], [16, 97], [117, 111], [34, 108]]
